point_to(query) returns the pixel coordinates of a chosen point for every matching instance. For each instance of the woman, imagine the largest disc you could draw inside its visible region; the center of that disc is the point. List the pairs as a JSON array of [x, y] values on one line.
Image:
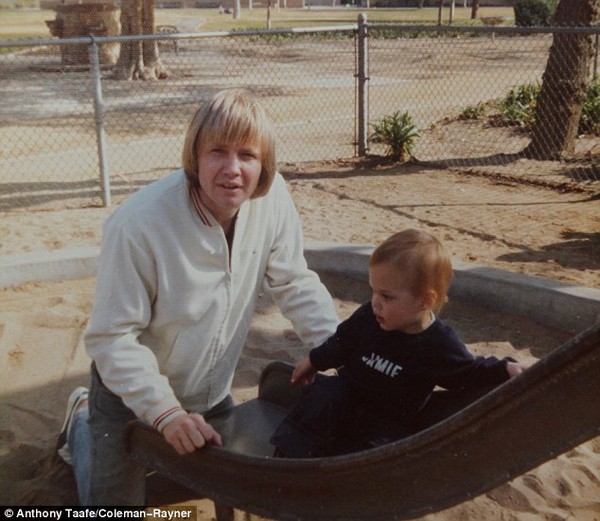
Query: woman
[[182, 263]]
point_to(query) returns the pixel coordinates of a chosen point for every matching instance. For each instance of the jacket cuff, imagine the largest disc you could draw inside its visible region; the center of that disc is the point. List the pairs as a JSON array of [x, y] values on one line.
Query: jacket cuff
[[161, 421]]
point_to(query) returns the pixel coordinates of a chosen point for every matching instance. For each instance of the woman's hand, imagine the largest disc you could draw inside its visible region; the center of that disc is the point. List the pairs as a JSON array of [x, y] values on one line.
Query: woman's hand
[[304, 373], [189, 432]]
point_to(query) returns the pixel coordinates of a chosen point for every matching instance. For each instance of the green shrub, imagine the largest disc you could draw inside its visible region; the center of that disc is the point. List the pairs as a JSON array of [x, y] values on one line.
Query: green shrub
[[398, 132], [473, 112], [518, 107], [533, 13], [589, 123]]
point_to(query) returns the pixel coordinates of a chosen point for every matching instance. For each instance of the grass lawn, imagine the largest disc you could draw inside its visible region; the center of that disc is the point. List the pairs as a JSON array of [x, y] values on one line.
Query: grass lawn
[[31, 23]]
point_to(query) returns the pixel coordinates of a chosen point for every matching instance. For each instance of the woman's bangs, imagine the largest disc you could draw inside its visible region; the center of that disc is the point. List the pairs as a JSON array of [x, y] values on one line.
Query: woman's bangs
[[231, 128]]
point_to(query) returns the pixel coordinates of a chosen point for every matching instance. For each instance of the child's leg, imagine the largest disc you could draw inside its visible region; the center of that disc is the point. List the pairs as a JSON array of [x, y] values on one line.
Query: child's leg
[[309, 426]]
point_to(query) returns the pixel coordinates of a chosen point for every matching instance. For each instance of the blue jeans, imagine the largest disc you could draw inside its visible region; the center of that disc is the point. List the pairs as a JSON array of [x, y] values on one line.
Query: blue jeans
[[104, 472]]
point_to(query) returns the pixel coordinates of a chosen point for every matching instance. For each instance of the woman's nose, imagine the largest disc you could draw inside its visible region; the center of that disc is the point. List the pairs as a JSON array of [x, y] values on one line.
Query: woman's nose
[[232, 165]]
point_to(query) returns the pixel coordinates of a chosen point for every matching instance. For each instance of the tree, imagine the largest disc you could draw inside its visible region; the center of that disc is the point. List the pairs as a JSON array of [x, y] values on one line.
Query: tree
[[237, 10], [138, 59], [474, 9], [564, 83]]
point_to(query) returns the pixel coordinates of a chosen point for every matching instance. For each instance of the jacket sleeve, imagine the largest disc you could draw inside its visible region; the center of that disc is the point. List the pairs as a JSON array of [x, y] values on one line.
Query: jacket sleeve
[[125, 290], [298, 291]]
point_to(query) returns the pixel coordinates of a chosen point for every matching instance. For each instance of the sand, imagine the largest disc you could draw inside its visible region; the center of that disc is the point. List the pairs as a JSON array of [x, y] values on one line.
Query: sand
[[529, 229]]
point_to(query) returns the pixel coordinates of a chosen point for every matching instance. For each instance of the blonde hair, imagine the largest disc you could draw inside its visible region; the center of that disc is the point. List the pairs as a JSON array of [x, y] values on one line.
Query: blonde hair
[[231, 116], [422, 260]]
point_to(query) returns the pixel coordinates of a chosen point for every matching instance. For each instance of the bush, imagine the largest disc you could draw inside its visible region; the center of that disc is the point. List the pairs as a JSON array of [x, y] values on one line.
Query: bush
[[398, 132], [472, 112], [532, 13], [518, 107], [589, 123]]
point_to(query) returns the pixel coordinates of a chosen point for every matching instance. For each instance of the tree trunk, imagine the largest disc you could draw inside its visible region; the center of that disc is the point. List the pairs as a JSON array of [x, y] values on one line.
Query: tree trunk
[[564, 83], [474, 9], [138, 60]]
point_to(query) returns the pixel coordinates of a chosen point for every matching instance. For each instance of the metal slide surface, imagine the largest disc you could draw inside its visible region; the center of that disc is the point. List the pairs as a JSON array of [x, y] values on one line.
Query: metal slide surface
[[551, 408]]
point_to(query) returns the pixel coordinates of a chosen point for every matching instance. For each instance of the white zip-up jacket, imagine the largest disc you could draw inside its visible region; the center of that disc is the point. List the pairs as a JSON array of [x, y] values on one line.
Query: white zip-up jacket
[[171, 311]]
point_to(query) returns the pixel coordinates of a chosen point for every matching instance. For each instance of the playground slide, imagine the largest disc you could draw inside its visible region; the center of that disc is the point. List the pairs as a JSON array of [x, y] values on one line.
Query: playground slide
[[551, 408]]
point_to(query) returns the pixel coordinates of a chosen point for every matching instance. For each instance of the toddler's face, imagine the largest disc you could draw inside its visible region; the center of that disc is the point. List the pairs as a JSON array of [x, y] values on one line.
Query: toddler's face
[[395, 308]]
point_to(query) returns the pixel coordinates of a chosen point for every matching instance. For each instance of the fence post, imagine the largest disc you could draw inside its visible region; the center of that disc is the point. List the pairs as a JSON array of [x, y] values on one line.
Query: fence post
[[362, 78], [99, 117]]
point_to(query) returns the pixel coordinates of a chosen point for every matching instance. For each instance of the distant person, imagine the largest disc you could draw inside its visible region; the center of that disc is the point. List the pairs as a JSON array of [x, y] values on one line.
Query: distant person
[[390, 354], [182, 264]]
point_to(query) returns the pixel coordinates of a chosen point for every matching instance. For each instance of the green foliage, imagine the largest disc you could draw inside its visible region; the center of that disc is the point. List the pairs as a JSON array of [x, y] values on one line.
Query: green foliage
[[589, 123], [394, 34], [518, 107], [398, 132], [472, 112], [533, 13]]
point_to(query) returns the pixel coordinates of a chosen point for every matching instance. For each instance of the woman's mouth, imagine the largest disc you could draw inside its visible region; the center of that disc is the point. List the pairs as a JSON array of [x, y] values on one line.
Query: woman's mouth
[[231, 187]]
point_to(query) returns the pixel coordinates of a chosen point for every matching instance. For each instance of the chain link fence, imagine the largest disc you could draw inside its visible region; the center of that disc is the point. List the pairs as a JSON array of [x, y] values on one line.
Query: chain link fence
[[65, 125], [472, 93]]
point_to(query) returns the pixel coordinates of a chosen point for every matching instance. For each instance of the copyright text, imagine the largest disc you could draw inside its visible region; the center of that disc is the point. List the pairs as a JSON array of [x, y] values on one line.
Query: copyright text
[[187, 513]]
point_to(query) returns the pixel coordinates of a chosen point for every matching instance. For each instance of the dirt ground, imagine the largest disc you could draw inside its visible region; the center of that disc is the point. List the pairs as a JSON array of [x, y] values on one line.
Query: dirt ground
[[486, 218]]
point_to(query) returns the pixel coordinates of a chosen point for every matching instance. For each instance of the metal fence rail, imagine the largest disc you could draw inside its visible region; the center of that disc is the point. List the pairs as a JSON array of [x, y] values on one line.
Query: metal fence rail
[[72, 133]]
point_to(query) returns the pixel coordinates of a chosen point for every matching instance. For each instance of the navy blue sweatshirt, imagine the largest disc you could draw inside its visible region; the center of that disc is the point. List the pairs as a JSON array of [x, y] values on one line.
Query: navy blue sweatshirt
[[394, 373]]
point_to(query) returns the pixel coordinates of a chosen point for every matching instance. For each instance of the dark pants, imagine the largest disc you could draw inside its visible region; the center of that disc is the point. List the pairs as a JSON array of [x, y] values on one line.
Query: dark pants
[[330, 420]]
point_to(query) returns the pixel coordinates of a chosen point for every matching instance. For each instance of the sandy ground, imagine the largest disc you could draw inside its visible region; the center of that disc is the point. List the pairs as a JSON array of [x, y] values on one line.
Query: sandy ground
[[484, 219]]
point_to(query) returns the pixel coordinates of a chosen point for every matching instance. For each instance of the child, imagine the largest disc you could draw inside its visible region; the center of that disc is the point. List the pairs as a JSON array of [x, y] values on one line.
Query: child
[[391, 353]]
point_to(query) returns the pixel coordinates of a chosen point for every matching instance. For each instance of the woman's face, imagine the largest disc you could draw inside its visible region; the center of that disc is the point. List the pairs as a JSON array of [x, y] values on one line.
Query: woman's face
[[228, 174]]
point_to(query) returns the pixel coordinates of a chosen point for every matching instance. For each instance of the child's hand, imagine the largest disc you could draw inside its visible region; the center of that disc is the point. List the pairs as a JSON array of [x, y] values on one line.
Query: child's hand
[[304, 372], [515, 368]]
